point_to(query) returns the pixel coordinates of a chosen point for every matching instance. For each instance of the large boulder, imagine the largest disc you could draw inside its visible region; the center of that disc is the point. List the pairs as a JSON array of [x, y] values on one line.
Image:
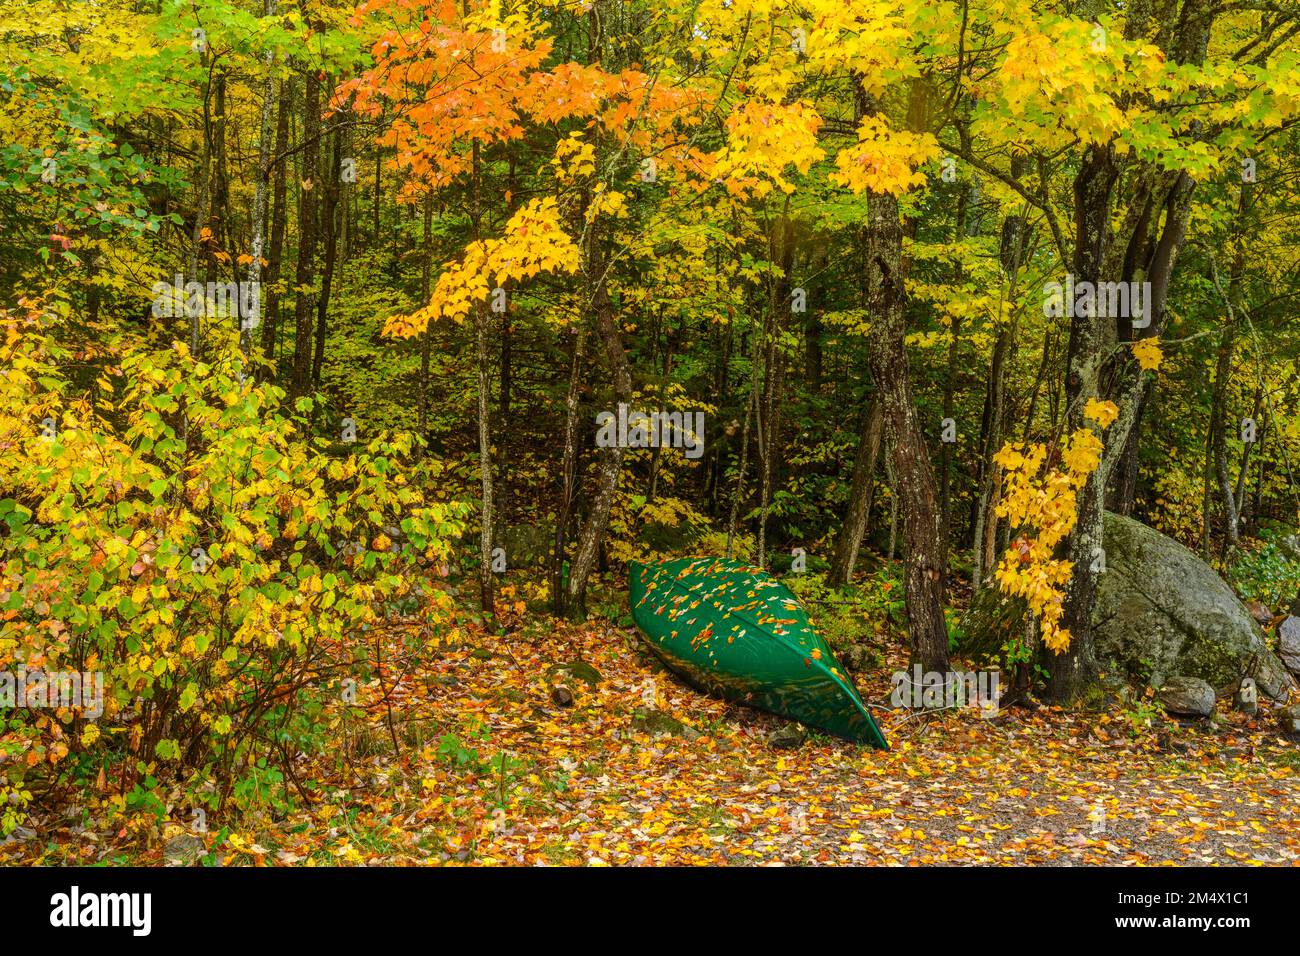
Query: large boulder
[[1160, 613]]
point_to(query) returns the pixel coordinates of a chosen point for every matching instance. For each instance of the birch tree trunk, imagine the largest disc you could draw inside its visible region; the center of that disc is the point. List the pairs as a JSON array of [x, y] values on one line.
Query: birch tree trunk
[[254, 276], [306, 271]]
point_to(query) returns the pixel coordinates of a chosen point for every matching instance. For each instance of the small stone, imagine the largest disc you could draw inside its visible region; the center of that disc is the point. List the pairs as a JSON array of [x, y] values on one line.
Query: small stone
[[577, 670], [656, 723], [1187, 697], [562, 696], [1246, 698], [786, 737], [859, 657], [183, 850]]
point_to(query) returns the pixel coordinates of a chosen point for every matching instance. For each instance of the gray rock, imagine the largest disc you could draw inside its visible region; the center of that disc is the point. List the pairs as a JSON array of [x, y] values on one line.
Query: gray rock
[[1290, 546], [1288, 639], [1187, 697], [183, 850], [786, 737], [577, 670], [1246, 697], [1288, 718], [858, 657], [1160, 611], [657, 723], [562, 696]]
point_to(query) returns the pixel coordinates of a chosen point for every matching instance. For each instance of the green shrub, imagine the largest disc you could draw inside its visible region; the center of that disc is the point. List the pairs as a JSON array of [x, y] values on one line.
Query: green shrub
[[181, 534], [1269, 573]]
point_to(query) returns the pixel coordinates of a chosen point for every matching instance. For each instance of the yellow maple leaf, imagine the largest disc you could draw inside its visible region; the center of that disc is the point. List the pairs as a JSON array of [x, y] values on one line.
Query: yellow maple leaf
[[1103, 413], [1148, 354], [1009, 457]]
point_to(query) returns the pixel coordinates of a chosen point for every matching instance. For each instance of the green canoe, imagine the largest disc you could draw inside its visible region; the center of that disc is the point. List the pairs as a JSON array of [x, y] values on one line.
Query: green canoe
[[736, 632]]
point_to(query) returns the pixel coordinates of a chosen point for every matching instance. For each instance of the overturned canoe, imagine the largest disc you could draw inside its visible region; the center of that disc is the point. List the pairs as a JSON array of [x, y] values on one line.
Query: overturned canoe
[[736, 632]]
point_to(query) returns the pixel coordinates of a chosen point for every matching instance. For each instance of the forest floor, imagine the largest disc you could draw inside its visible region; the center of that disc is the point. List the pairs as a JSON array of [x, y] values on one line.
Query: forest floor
[[580, 784]]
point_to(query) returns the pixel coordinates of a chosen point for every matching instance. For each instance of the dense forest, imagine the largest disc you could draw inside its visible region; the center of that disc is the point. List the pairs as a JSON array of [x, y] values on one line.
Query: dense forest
[[355, 353]]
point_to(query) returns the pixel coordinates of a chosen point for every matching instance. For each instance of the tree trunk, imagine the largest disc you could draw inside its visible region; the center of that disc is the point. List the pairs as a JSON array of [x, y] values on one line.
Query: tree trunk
[[925, 564], [333, 173], [568, 472], [743, 465], [426, 285], [781, 250], [1244, 467], [945, 451], [851, 533], [201, 210], [279, 215], [306, 272], [1122, 496], [220, 169], [1073, 671], [611, 459], [812, 328], [379, 171], [984, 525], [1218, 462], [248, 323], [486, 583], [483, 355], [656, 456]]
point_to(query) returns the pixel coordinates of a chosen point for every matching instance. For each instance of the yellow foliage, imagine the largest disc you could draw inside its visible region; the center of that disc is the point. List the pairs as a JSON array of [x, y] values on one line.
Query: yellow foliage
[[574, 158], [606, 202], [884, 160], [1046, 503], [1103, 413], [533, 242], [765, 138], [1066, 69]]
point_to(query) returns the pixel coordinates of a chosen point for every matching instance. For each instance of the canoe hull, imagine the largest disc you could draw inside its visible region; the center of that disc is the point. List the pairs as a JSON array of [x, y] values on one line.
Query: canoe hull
[[735, 632]]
